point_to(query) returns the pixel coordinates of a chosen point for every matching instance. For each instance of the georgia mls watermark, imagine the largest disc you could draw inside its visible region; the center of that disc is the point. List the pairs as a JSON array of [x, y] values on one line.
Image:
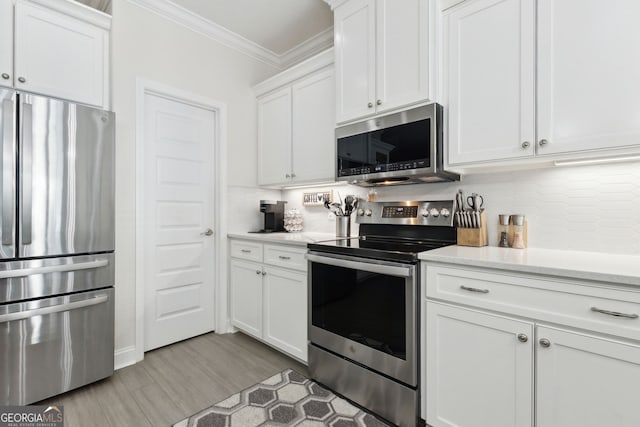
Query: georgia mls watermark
[[31, 416]]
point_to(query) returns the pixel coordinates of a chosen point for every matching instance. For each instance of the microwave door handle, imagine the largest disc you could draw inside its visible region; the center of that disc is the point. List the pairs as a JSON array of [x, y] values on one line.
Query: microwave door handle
[[8, 171], [390, 270], [26, 172]]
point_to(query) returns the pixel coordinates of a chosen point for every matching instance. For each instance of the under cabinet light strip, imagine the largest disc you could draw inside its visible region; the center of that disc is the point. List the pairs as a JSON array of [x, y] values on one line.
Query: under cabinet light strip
[[600, 160]]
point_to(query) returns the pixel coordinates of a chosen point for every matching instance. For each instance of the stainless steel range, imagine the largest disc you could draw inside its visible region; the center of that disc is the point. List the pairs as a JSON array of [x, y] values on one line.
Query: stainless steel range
[[364, 305]]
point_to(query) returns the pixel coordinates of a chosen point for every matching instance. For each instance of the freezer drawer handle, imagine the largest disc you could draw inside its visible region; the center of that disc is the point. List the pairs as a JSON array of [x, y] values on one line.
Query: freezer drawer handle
[[53, 269], [21, 315]]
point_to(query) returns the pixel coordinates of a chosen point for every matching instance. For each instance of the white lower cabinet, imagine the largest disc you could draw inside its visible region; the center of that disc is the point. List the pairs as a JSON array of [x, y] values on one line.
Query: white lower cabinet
[[586, 380], [479, 369], [268, 294], [488, 340]]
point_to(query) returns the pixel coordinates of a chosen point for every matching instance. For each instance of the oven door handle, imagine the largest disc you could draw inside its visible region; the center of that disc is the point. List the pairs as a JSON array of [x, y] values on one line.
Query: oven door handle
[[390, 270]]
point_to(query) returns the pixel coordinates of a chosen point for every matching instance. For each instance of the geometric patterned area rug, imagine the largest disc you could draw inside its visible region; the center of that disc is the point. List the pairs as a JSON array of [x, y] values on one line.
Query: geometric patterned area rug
[[286, 399]]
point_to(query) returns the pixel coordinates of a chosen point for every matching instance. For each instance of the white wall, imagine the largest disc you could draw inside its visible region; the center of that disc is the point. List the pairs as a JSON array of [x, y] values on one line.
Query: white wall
[[592, 208], [147, 46]]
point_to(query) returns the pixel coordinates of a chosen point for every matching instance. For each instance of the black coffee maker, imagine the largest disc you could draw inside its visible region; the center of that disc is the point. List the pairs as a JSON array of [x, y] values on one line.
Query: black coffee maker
[[273, 215]]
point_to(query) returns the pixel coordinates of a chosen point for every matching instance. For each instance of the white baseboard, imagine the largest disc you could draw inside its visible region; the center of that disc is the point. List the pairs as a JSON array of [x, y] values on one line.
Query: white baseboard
[[124, 357]]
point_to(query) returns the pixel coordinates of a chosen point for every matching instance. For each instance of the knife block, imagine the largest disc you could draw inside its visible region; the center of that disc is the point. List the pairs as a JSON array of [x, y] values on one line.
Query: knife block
[[474, 236]]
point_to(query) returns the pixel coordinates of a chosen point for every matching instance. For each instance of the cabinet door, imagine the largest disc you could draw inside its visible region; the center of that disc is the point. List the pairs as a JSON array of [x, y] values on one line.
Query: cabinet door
[[588, 68], [489, 80], [245, 281], [274, 137], [314, 105], [58, 55], [285, 311], [479, 373], [6, 43], [354, 23], [586, 381], [402, 52]]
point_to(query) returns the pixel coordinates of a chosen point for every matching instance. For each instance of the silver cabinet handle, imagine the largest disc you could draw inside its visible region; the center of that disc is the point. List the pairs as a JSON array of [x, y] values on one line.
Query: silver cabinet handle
[[287, 176], [284, 257], [26, 148], [379, 102], [545, 343], [467, 288], [245, 251], [614, 313], [264, 273], [61, 268], [543, 142], [22, 80], [370, 105], [8, 172], [523, 338], [207, 232], [21, 315], [526, 144], [293, 175], [258, 272], [5, 76]]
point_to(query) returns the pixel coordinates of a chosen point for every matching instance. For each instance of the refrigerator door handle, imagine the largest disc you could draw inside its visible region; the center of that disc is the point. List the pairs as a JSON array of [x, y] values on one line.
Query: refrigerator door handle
[[62, 268], [25, 172], [8, 171], [21, 315]]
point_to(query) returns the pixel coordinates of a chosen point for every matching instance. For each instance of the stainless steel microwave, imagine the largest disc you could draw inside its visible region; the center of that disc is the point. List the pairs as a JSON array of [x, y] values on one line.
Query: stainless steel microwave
[[399, 148]]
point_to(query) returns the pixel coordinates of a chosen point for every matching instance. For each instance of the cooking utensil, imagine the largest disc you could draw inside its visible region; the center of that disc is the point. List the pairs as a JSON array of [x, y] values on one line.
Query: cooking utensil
[[348, 204], [475, 201]]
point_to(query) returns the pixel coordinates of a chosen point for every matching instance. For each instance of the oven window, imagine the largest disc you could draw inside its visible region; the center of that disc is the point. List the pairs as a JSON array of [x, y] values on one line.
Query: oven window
[[365, 307]]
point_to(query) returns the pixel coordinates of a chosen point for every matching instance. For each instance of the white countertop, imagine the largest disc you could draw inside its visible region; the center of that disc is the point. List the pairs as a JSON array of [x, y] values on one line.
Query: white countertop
[[296, 239], [612, 268]]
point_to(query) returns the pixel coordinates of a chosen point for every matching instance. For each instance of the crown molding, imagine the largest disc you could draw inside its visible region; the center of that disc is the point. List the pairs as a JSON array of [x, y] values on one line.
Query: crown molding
[[335, 3], [75, 10], [198, 24]]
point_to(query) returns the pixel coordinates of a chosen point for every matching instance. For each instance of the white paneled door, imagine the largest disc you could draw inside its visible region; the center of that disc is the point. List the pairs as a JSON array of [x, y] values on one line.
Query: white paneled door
[[178, 221]]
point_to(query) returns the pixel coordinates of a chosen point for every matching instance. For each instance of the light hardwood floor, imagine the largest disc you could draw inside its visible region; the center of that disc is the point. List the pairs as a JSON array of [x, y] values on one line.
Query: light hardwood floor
[[174, 382]]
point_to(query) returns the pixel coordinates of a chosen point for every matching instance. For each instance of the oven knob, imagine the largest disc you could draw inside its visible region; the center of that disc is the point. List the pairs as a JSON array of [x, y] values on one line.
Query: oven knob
[[368, 212], [425, 213], [360, 212], [445, 212], [434, 212]]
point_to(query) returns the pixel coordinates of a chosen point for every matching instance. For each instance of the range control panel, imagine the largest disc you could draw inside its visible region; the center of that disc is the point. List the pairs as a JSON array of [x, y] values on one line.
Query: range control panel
[[438, 212]]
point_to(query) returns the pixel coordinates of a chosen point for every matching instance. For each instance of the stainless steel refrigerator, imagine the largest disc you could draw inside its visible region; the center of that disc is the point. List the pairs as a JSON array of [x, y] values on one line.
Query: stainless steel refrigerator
[[57, 246]]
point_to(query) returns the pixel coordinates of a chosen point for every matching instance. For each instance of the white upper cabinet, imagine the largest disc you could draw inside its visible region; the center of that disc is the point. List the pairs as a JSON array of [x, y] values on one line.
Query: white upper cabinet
[[588, 75], [586, 91], [382, 56], [313, 147], [490, 80], [6, 43], [274, 137], [296, 124], [60, 55]]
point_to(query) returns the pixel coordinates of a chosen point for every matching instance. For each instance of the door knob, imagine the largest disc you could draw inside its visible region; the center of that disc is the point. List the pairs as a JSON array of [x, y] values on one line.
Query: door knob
[[207, 232]]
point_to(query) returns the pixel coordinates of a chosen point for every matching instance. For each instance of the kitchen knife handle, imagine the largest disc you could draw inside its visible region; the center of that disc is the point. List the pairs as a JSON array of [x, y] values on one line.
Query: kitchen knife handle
[[26, 152], [8, 171]]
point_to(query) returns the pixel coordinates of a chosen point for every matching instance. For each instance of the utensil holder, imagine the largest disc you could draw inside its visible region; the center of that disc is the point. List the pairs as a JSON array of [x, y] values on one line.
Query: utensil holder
[[343, 226], [474, 236]]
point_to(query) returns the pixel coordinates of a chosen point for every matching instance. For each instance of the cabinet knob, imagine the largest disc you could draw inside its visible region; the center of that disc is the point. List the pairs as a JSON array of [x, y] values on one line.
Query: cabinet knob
[[370, 105], [258, 272], [264, 273], [526, 144], [379, 102], [293, 175], [22, 80], [543, 142], [545, 343], [287, 176], [523, 338], [5, 76]]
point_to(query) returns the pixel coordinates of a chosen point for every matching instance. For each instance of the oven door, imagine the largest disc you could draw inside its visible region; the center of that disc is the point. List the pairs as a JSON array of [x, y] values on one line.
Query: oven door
[[365, 310]]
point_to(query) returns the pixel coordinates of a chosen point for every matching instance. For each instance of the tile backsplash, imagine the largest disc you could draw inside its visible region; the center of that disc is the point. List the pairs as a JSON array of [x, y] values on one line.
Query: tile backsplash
[[590, 208]]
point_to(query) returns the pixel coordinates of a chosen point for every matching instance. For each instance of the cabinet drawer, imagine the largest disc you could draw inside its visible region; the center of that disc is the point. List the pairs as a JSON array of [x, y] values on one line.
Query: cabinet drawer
[[246, 250], [565, 302], [285, 256]]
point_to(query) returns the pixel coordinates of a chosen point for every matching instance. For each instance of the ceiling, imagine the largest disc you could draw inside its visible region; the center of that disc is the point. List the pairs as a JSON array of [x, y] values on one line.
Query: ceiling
[[277, 25]]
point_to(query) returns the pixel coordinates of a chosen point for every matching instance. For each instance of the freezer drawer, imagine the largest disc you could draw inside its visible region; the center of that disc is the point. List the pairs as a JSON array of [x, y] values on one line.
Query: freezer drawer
[[53, 345], [37, 278]]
